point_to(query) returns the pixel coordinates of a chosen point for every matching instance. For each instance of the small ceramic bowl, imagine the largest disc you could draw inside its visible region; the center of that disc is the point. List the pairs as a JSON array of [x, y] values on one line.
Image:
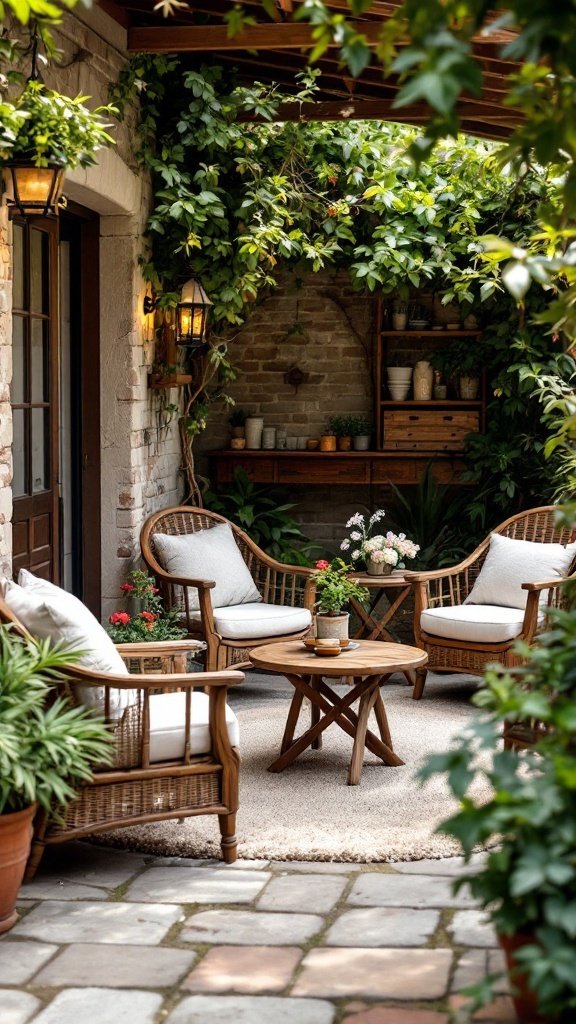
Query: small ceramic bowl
[[327, 652], [344, 641], [309, 642]]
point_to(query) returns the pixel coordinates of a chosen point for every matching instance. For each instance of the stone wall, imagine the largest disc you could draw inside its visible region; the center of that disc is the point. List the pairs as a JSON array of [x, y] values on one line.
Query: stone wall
[[140, 457]]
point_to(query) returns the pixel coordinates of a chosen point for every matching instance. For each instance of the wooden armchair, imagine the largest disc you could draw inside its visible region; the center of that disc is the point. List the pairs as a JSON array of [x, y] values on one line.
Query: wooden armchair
[[287, 590], [446, 588], [155, 774]]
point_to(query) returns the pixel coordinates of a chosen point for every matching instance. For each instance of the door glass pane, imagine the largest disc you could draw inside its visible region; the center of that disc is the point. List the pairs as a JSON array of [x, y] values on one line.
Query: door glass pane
[[18, 454], [18, 265], [40, 385], [39, 290], [17, 389], [40, 425]]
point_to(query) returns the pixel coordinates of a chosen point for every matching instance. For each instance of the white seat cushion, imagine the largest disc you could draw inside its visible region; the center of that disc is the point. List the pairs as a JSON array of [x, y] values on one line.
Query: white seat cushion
[[208, 555], [50, 613], [167, 726], [477, 623], [510, 563], [253, 621]]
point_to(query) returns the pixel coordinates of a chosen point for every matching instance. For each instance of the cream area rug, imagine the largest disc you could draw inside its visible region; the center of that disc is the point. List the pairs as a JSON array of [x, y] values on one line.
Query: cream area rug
[[308, 812]]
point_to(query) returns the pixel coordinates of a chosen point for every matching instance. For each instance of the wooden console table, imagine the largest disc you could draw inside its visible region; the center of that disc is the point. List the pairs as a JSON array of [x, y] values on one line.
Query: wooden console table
[[297, 467]]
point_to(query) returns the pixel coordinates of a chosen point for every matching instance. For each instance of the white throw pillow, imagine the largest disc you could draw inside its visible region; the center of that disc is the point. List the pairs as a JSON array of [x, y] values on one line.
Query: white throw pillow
[[211, 554], [48, 612], [510, 563]]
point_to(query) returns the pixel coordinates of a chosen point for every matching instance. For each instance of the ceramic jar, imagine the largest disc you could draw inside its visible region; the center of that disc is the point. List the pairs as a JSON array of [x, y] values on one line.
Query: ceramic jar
[[253, 431], [399, 378], [269, 437], [469, 387], [423, 377], [328, 443]]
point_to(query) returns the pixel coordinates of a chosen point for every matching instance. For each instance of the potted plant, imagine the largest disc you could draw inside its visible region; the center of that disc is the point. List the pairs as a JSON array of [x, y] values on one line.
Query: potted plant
[[147, 621], [46, 745], [361, 430], [528, 882], [382, 552], [341, 427], [334, 590], [44, 131], [237, 420]]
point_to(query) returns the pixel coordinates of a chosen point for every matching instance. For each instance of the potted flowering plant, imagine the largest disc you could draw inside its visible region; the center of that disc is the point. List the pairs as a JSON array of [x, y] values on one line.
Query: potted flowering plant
[[382, 552], [147, 621], [334, 590]]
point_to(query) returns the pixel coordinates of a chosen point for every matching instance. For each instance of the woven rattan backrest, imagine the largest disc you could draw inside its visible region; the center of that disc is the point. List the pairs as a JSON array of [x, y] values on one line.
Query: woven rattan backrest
[[185, 520]]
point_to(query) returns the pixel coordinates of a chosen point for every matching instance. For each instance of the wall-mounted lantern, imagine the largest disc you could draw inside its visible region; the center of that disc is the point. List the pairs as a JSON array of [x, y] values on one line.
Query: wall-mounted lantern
[[192, 314], [36, 190]]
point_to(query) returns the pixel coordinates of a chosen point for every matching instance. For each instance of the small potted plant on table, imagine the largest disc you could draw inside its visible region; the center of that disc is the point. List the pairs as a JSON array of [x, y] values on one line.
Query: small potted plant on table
[[334, 590]]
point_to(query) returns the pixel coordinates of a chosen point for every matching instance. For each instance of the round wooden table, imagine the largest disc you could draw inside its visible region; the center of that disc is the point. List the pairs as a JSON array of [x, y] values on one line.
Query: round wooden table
[[371, 664]]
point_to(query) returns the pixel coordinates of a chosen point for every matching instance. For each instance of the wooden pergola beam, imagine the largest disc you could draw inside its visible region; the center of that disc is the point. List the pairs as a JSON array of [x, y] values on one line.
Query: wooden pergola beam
[[284, 36], [383, 110]]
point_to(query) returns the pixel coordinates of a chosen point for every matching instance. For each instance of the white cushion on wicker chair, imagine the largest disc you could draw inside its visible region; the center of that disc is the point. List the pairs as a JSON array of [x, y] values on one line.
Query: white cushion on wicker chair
[[477, 623], [252, 621], [167, 726], [211, 554], [510, 563]]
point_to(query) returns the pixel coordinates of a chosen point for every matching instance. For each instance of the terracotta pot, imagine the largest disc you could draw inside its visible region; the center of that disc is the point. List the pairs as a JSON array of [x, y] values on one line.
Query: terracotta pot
[[328, 443], [524, 1000], [238, 443], [378, 568], [332, 626], [15, 839], [344, 444]]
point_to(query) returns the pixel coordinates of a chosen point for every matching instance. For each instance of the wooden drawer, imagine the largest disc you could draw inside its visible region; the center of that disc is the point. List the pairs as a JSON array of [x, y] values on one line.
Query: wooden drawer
[[428, 429], [323, 469]]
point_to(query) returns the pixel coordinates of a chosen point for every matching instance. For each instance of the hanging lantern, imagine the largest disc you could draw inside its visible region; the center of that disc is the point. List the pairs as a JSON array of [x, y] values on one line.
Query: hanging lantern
[[192, 314], [36, 190]]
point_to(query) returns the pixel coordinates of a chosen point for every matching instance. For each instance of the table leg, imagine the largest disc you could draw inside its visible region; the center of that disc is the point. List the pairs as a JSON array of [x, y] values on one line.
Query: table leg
[[315, 715], [382, 719], [292, 720], [348, 722], [366, 704]]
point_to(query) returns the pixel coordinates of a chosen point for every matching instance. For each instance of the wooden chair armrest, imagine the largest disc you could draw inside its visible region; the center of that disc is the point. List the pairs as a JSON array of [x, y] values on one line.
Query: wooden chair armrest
[[158, 648], [412, 576], [153, 680], [546, 584], [184, 581]]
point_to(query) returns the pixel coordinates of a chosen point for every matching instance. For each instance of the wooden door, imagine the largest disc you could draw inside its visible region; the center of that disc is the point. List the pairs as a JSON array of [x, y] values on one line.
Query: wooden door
[[34, 398]]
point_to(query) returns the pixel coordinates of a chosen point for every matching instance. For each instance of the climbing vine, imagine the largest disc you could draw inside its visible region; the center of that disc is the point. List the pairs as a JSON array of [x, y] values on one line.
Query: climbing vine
[[234, 200]]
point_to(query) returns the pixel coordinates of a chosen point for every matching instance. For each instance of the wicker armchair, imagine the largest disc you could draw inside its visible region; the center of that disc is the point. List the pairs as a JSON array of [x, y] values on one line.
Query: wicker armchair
[[134, 789], [278, 584], [451, 586]]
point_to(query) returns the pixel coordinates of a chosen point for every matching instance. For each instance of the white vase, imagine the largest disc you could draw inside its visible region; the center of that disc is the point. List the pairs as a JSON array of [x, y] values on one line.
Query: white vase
[[253, 430], [423, 377], [399, 378], [377, 568], [330, 627]]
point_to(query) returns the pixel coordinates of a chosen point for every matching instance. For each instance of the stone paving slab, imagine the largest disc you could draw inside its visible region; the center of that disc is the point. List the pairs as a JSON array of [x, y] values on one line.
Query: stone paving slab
[[377, 927], [197, 885], [475, 964], [17, 1007], [383, 890], [501, 1011], [252, 970], [62, 889], [101, 1006], [472, 928], [249, 928], [120, 923], [117, 966], [251, 1010], [392, 1015], [198, 862], [19, 961], [89, 864], [453, 867], [375, 973], [316, 867], [316, 894]]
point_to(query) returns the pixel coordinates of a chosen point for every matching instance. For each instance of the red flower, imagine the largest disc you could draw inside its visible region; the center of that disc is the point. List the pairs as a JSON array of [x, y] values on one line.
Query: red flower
[[126, 588], [322, 564], [119, 619], [148, 616], [155, 590]]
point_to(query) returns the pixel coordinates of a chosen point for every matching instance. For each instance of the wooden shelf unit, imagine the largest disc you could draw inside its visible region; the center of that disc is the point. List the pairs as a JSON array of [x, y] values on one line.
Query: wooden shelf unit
[[432, 427]]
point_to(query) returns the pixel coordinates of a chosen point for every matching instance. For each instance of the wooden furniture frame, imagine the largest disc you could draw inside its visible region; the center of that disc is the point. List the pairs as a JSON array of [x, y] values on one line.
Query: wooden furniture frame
[[445, 587], [369, 666], [132, 791], [277, 583]]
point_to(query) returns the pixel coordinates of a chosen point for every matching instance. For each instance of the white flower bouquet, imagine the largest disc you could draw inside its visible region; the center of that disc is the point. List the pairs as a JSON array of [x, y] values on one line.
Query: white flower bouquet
[[382, 549]]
